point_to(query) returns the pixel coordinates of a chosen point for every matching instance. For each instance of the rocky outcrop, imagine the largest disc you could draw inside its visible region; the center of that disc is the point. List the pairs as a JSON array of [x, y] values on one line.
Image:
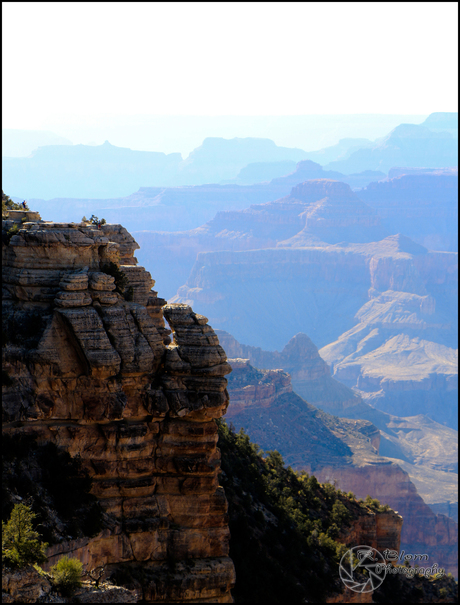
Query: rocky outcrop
[[24, 586], [97, 375], [263, 387]]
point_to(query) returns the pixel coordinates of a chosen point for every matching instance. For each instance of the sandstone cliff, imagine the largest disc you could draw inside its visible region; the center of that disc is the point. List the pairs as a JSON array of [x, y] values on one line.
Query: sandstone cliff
[[96, 374]]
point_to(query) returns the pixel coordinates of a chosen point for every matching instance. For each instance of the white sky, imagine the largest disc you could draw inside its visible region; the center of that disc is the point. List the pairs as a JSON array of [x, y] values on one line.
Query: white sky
[[66, 62]]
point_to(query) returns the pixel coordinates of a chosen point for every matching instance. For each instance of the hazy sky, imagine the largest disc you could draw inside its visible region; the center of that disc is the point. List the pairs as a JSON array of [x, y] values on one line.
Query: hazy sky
[[80, 62]]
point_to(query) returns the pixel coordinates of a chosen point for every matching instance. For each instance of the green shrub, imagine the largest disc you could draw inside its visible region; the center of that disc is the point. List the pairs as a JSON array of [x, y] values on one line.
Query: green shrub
[[20, 542], [66, 575], [340, 513], [372, 503]]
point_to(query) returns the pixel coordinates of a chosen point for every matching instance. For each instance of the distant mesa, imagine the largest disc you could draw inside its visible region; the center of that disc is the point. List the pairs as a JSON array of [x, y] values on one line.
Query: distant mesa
[[400, 205]]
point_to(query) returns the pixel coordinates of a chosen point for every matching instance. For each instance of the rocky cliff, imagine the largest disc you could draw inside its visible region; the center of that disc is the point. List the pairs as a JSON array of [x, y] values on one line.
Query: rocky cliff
[[91, 368]]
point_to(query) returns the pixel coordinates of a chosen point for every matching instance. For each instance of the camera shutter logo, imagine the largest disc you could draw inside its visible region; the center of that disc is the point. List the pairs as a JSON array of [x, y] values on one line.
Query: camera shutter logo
[[358, 559]]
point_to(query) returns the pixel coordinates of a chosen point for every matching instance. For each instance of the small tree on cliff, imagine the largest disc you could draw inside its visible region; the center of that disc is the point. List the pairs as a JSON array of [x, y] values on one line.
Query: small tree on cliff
[[20, 542]]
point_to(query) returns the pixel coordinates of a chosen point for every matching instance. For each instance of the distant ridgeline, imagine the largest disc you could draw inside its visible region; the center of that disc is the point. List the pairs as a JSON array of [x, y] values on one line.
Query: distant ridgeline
[[110, 172]]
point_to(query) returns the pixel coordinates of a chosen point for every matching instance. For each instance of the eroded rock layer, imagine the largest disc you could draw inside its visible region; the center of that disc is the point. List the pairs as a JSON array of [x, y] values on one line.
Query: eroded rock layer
[[91, 368]]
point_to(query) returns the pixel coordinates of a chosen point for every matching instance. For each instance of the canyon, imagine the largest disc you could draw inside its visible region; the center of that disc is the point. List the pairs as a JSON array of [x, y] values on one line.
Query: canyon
[[93, 368], [338, 450], [382, 311], [426, 449]]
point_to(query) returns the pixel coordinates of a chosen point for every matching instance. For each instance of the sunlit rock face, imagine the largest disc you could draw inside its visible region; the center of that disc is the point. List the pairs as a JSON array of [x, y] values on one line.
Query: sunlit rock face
[[95, 372]]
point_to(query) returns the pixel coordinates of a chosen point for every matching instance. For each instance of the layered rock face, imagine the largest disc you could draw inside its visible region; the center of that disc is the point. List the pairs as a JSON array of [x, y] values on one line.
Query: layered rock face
[[98, 376], [344, 451]]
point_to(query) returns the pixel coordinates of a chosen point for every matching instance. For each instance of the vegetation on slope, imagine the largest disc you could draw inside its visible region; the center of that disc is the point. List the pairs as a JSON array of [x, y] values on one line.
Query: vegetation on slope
[[283, 525]]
